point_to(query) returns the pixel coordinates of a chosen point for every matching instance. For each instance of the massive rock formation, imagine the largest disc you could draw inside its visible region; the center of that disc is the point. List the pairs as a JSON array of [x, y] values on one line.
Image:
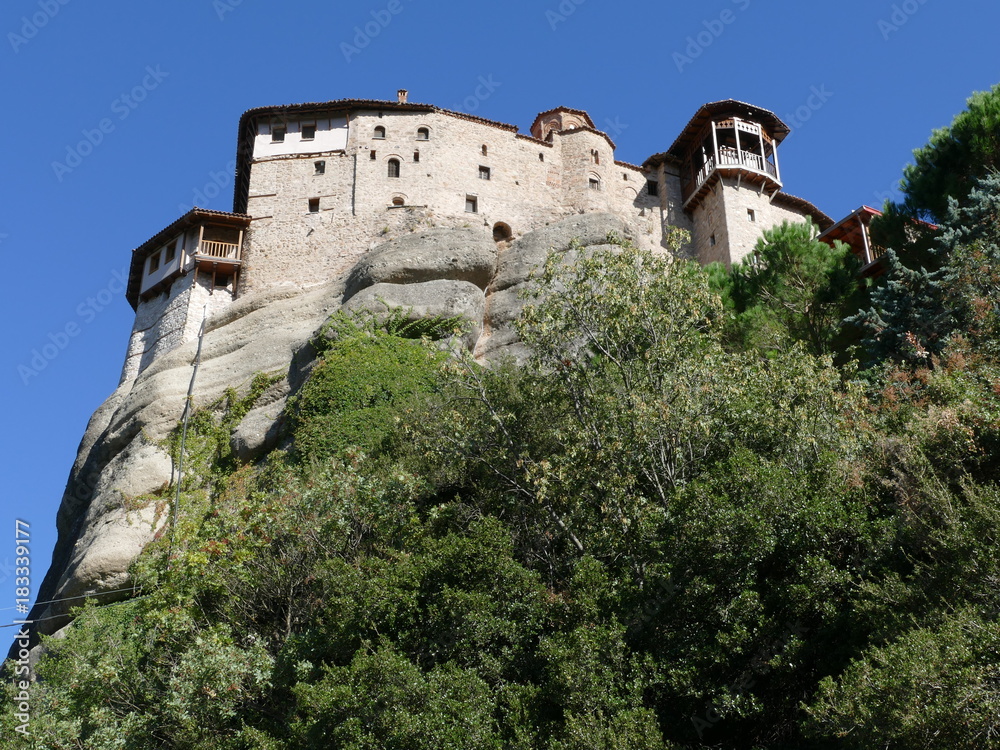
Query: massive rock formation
[[103, 525]]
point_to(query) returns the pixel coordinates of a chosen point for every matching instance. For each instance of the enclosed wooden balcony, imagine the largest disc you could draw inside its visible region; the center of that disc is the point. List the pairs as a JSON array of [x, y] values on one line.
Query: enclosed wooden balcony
[[731, 146], [201, 241]]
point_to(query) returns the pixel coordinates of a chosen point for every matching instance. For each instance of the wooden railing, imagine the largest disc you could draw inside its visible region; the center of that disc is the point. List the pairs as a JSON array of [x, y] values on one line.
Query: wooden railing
[[219, 249]]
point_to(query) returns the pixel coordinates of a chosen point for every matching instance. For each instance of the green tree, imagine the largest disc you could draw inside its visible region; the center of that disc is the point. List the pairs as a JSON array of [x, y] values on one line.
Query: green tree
[[793, 288]]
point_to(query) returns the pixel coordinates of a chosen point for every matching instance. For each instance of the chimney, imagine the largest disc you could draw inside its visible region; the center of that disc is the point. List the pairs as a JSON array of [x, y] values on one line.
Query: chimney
[[402, 94]]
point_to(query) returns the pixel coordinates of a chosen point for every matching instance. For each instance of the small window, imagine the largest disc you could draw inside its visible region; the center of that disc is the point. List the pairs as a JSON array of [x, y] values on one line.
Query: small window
[[484, 173], [394, 167], [320, 167], [751, 215], [595, 155], [486, 150], [652, 187], [711, 240], [314, 205], [423, 134], [541, 157], [308, 132], [278, 135], [595, 184], [625, 177], [374, 154], [154, 262], [171, 253], [471, 204], [380, 133], [416, 157], [398, 201]]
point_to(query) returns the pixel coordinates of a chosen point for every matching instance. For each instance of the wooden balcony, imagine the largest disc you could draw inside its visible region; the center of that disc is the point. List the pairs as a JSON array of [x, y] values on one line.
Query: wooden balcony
[[218, 257], [754, 166]]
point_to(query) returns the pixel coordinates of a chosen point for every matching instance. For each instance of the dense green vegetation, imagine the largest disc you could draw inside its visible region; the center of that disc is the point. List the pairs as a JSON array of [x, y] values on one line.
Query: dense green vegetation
[[707, 513]]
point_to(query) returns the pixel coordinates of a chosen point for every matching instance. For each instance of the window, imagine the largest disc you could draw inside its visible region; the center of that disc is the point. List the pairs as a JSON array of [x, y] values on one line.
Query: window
[[399, 201], [751, 216], [423, 134], [471, 204], [595, 155], [484, 173], [374, 154], [278, 135], [154, 262], [486, 150], [595, 184], [380, 133], [394, 167], [168, 257], [416, 157], [652, 187], [320, 167], [541, 157], [625, 177], [711, 240], [308, 132], [314, 205]]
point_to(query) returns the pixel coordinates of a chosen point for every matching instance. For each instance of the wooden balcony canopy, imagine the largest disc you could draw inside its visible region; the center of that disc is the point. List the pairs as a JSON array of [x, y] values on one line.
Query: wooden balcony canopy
[[727, 137], [218, 247]]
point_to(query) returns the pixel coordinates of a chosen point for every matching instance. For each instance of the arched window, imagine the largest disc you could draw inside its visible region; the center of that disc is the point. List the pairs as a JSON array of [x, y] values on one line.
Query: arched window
[[380, 133], [423, 134], [394, 167], [399, 201], [485, 150], [595, 182], [502, 232]]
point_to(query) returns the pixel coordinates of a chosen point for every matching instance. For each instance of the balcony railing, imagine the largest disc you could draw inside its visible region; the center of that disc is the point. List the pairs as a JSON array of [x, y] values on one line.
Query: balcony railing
[[730, 157], [228, 250]]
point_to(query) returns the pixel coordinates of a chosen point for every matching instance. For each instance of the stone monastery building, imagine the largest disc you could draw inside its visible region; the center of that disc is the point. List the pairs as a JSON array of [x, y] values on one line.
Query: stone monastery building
[[319, 185]]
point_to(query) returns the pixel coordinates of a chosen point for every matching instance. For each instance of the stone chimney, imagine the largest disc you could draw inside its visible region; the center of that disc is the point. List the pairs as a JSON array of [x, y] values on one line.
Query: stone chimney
[[402, 94]]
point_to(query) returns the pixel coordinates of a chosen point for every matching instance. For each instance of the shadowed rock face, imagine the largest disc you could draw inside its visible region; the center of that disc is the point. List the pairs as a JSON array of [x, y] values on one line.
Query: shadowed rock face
[[446, 272]]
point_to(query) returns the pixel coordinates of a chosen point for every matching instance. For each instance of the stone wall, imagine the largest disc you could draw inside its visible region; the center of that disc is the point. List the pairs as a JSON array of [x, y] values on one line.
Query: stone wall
[[724, 214], [513, 180], [169, 319]]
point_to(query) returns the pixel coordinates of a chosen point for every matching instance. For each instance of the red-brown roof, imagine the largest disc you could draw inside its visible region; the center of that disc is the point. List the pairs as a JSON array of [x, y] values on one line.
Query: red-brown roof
[[726, 108], [580, 112]]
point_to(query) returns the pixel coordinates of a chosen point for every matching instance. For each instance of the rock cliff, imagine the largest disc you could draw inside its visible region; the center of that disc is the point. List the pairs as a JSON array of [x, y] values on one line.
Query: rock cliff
[[103, 525]]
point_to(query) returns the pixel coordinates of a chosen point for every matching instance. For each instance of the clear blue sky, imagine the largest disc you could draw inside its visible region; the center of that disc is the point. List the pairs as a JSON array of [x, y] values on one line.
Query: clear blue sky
[[887, 74]]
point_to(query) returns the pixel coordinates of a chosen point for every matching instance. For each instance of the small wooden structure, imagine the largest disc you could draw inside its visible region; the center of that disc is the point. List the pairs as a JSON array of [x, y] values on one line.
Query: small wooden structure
[[201, 241], [728, 138]]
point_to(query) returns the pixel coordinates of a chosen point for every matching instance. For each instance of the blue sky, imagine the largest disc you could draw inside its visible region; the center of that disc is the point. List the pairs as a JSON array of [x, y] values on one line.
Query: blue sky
[[120, 114]]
